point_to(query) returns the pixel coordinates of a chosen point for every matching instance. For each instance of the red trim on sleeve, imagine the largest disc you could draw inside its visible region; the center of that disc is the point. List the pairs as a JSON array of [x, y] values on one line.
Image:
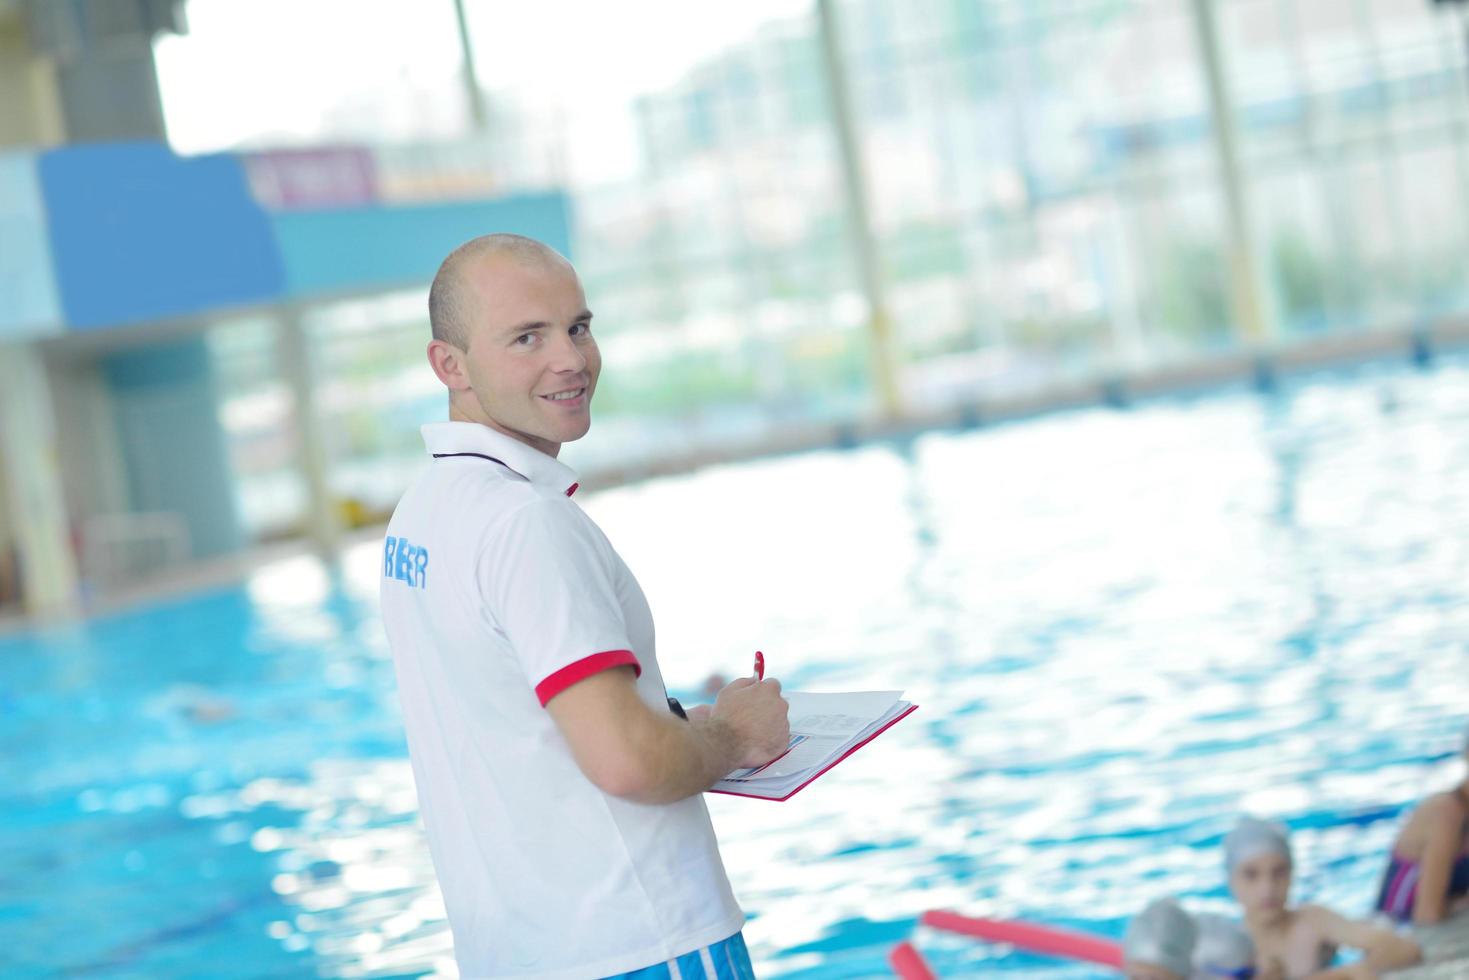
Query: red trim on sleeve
[[572, 489], [584, 668]]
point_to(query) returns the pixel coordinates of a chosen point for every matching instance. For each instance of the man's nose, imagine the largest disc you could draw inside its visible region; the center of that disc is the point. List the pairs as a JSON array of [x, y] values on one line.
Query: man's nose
[[567, 356]]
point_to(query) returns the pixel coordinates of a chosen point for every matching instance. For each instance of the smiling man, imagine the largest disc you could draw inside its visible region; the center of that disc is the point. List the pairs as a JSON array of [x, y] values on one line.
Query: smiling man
[[559, 793]]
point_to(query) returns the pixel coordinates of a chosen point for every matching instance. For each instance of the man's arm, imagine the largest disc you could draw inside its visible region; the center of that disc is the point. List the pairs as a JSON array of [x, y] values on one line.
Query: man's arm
[[630, 750]]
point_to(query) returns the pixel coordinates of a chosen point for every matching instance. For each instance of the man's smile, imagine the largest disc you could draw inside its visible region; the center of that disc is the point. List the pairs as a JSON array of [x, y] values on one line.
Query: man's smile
[[570, 394]]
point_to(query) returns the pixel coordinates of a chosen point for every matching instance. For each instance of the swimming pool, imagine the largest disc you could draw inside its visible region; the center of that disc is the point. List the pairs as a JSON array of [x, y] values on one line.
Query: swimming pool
[[1123, 627]]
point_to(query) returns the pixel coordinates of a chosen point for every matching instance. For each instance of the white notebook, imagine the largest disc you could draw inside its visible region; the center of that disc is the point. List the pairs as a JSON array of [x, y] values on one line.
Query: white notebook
[[825, 729]]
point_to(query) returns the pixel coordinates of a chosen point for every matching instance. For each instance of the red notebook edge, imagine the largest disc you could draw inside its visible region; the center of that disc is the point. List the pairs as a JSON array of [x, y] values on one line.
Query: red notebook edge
[[820, 772]]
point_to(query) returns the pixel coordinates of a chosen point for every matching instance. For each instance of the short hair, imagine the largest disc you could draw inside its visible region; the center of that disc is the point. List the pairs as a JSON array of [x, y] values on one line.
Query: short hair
[[450, 300]]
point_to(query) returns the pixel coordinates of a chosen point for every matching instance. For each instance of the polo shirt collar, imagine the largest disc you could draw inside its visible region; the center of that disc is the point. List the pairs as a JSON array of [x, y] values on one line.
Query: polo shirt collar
[[451, 438]]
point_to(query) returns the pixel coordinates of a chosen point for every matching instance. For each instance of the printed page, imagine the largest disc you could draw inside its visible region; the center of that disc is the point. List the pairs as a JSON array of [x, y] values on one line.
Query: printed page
[[780, 778], [822, 725]]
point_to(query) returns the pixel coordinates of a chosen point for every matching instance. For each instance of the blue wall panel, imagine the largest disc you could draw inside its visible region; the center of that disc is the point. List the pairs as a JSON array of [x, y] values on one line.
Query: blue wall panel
[[140, 234], [28, 301], [353, 249]]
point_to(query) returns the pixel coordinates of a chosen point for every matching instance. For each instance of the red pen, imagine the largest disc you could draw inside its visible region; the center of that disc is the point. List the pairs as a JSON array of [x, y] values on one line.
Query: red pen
[[759, 666]]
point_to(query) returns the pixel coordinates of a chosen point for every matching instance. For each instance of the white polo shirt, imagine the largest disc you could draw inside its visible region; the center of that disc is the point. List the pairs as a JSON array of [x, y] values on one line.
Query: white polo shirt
[[498, 593]]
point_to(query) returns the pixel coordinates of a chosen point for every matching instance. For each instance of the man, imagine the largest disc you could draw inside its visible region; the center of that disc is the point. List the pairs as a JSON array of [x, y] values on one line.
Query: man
[[559, 793]]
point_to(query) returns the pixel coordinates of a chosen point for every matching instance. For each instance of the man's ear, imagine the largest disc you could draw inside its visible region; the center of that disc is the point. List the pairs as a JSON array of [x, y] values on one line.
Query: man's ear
[[448, 364]]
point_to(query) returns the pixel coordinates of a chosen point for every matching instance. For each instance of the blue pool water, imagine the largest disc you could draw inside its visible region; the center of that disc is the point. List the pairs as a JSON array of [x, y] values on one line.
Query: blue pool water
[[1124, 628]]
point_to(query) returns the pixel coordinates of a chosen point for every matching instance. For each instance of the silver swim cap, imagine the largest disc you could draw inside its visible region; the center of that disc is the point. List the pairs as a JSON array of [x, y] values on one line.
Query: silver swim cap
[[1161, 935], [1223, 949], [1252, 837]]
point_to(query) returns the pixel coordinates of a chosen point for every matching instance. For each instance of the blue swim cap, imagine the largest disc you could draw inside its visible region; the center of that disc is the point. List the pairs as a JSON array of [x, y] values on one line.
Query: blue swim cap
[[1224, 948], [1162, 935], [1252, 837]]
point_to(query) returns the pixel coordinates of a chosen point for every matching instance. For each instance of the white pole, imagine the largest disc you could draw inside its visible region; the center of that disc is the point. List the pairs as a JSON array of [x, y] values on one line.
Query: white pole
[[1247, 289], [869, 261], [477, 112], [34, 494], [298, 367]]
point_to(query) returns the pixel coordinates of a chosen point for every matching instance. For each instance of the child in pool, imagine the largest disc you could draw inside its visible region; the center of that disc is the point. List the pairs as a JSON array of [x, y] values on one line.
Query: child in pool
[[1159, 943], [1427, 876], [1225, 951], [1300, 941], [1164, 942]]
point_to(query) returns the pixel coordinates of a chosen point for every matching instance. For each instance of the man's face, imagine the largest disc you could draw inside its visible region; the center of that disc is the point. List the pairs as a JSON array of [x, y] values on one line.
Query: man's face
[[1262, 884], [531, 362]]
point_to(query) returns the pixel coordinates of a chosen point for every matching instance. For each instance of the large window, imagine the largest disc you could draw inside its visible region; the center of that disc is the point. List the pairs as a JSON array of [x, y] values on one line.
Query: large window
[[1044, 186]]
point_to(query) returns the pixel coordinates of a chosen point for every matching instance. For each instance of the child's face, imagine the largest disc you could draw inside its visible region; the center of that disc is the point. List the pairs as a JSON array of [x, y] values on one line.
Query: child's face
[[1262, 884]]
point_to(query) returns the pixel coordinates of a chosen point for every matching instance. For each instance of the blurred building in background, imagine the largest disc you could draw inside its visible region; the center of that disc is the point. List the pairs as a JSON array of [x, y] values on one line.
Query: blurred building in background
[[1041, 201], [1046, 187], [129, 276]]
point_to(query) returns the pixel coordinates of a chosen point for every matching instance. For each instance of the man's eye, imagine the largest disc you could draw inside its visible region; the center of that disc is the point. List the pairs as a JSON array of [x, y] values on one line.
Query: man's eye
[[580, 329], [525, 339]]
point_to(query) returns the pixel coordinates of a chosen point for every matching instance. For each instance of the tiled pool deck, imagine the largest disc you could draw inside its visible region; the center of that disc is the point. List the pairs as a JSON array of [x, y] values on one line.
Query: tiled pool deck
[[1445, 951]]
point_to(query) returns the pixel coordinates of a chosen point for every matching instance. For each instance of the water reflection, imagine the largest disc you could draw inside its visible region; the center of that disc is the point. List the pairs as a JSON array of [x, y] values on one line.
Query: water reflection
[[357, 867], [1123, 629]]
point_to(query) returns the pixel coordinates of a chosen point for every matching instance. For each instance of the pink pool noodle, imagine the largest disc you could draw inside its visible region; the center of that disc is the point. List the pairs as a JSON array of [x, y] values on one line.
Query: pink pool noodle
[[1062, 943], [909, 964]]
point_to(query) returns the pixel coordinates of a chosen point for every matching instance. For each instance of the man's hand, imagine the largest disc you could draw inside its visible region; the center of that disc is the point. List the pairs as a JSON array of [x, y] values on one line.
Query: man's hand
[[757, 718], [631, 750]]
